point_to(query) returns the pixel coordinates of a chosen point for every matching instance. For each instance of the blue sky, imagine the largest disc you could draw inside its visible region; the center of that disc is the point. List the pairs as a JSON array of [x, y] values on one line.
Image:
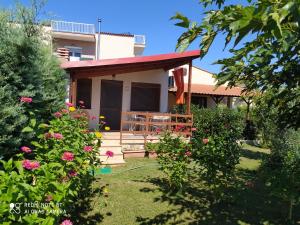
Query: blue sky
[[148, 17]]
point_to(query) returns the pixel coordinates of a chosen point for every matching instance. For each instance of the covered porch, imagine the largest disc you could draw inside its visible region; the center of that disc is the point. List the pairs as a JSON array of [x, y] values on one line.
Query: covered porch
[[112, 87]]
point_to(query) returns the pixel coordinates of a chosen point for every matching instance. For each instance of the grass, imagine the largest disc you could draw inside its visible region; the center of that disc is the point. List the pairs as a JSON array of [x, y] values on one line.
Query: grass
[[136, 193]]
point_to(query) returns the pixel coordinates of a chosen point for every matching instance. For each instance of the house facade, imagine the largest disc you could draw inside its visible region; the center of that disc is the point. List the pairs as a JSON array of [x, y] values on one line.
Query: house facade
[[110, 75], [133, 84]]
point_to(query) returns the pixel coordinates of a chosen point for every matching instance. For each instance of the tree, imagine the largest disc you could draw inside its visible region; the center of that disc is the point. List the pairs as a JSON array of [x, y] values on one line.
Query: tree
[[270, 58], [27, 68]]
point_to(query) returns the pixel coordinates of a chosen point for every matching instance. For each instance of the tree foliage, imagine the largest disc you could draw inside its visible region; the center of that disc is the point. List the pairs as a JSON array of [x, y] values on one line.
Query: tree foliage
[[264, 40], [27, 68]]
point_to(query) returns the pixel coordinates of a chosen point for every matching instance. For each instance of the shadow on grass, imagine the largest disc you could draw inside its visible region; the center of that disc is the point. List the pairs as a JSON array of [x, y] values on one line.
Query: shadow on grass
[[252, 155], [246, 202], [84, 206]]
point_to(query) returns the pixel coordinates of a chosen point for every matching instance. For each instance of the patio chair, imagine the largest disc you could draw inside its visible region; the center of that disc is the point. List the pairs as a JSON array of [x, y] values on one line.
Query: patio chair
[[136, 126], [158, 119]]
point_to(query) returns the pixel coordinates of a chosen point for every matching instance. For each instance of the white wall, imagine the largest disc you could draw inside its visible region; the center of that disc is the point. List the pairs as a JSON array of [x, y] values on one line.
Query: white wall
[[113, 46], [152, 76], [198, 76]]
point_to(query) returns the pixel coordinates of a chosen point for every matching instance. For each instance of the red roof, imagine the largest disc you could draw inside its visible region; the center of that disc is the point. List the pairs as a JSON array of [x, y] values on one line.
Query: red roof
[[155, 61], [213, 90]]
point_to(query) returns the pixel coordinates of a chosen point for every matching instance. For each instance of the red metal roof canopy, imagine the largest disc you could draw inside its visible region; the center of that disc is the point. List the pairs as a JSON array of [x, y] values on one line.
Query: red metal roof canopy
[[126, 65]]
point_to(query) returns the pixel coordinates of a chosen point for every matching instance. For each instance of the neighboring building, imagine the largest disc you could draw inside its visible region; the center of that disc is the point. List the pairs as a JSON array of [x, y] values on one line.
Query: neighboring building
[[79, 41], [204, 92]]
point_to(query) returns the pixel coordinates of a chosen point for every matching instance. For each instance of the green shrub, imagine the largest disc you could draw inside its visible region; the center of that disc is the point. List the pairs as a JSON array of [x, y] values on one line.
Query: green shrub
[[283, 167], [215, 145], [27, 68], [265, 119], [54, 170], [174, 155]]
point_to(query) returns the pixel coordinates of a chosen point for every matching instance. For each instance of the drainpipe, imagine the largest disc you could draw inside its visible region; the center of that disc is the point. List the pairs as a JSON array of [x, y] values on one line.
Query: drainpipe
[[99, 33]]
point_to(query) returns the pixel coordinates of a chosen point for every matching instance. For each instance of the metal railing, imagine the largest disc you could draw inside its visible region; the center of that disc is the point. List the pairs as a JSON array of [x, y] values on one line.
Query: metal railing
[[139, 39], [71, 27], [153, 123]]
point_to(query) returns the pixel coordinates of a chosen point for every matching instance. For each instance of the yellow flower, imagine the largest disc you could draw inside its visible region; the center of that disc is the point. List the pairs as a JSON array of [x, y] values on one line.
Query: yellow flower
[[102, 117], [72, 109], [107, 128], [98, 134], [105, 190]]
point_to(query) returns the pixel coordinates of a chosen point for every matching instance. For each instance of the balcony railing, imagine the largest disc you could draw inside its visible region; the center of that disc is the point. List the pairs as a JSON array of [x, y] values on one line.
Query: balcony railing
[[71, 27], [139, 39]]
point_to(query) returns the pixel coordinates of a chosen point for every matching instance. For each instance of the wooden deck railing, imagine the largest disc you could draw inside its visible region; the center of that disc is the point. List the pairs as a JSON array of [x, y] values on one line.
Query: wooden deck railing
[[153, 123]]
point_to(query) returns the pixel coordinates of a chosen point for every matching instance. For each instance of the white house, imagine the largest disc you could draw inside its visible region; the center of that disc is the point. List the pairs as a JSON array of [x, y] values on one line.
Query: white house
[[111, 86]]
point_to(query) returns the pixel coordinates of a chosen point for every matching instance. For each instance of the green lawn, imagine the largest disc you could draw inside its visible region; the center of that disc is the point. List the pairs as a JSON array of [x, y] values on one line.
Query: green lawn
[[137, 194]]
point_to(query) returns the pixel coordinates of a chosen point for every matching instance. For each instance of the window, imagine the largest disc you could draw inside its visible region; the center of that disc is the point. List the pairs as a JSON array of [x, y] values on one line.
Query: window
[[74, 51], [200, 101], [84, 92], [145, 97], [171, 82]]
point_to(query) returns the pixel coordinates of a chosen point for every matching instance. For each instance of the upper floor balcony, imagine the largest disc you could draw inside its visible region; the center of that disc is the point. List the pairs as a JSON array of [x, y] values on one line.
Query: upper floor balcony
[[71, 27]]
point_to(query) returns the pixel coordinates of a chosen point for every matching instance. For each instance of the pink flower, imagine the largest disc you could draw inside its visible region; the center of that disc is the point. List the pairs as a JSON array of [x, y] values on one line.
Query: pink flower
[[30, 165], [57, 114], [193, 129], [69, 104], [93, 117], [68, 156], [109, 153], [205, 140], [72, 173], [81, 102], [179, 128], [64, 111], [58, 136], [188, 153], [88, 148], [26, 149], [26, 99], [66, 222], [158, 130]]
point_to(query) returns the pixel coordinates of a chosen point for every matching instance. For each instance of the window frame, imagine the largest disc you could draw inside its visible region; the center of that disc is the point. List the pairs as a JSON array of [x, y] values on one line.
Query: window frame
[[87, 106], [145, 85]]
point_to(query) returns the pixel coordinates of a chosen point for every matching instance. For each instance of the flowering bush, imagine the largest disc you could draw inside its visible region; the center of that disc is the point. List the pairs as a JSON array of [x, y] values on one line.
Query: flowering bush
[[173, 154], [215, 142], [52, 172]]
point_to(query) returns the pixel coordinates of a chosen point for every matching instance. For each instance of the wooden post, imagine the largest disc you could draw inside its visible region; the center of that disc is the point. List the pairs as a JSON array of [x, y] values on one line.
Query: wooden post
[[228, 102], [121, 128], [146, 128], [189, 96], [73, 90]]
